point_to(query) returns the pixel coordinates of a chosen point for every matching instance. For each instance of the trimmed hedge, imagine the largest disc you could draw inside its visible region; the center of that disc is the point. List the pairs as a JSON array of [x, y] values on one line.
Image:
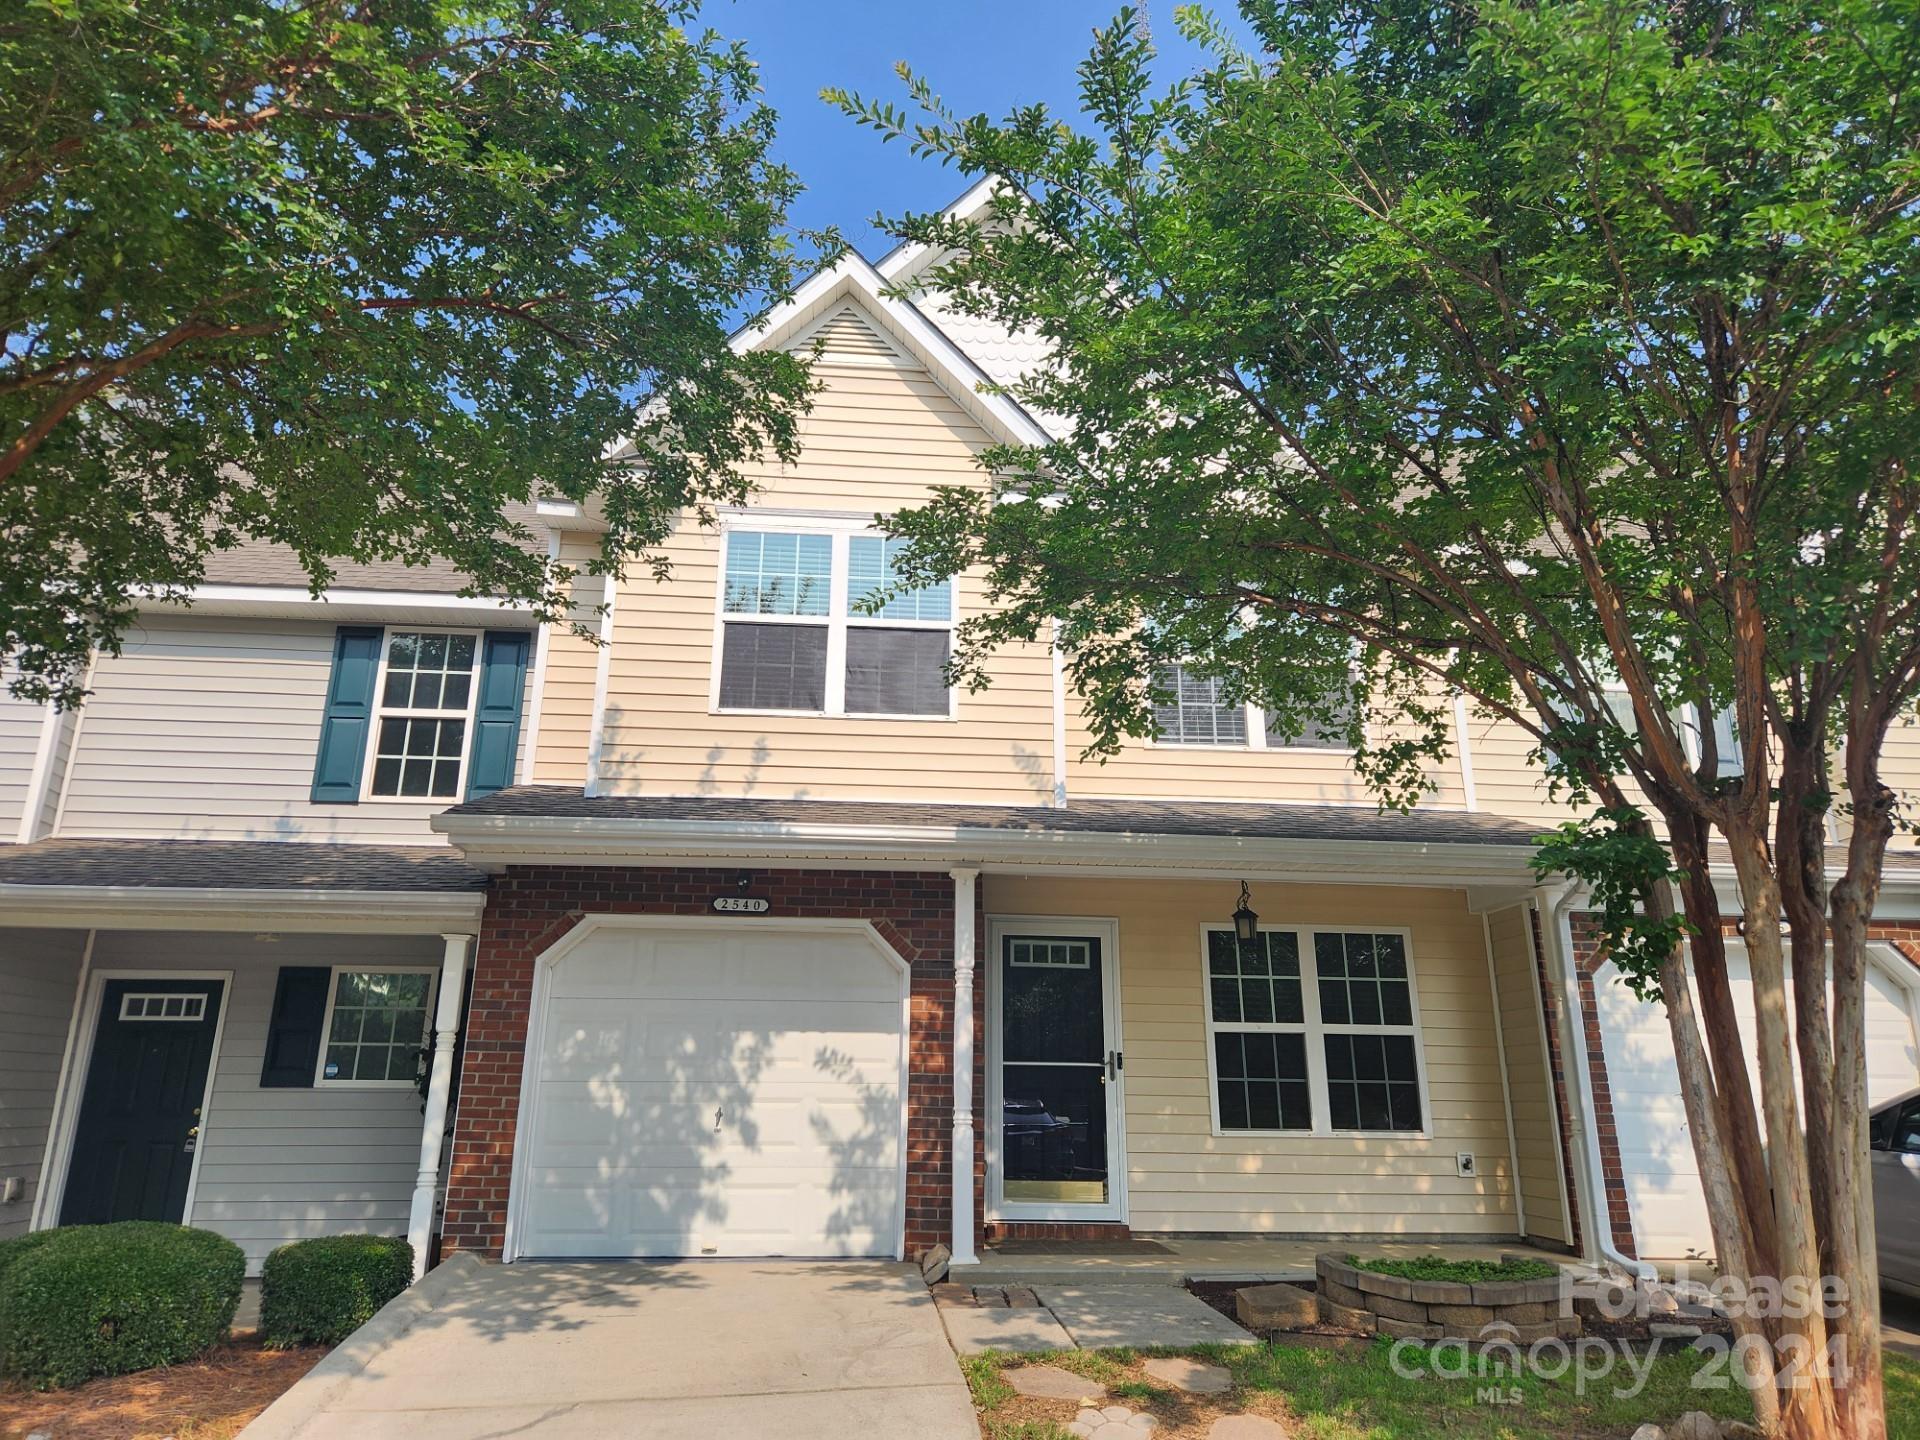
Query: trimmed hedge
[[91, 1300], [20, 1246], [318, 1292]]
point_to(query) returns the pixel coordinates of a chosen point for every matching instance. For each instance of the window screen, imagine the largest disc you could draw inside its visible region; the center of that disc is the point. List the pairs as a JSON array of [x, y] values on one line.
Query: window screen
[[774, 667], [896, 672]]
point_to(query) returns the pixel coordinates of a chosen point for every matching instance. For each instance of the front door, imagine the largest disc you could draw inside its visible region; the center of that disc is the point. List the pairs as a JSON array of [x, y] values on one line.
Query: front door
[[140, 1112], [1057, 1067]]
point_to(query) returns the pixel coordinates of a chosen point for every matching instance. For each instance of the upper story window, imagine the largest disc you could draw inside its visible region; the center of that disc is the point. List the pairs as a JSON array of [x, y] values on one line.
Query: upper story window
[[420, 714], [426, 696], [1195, 711], [795, 635]]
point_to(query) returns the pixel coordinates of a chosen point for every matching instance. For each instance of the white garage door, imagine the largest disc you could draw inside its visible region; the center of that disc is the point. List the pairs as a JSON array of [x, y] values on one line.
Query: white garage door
[[1656, 1146], [710, 1091]]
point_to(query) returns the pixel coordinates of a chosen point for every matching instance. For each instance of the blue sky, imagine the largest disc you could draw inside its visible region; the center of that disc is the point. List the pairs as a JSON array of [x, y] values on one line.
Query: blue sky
[[980, 54]]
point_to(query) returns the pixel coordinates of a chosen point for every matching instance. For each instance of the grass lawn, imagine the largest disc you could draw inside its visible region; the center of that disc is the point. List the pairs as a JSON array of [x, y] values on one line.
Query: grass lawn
[[1351, 1392]]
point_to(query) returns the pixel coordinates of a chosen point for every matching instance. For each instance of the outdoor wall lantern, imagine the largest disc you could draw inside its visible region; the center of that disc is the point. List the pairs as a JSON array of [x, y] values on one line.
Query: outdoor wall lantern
[[1246, 924]]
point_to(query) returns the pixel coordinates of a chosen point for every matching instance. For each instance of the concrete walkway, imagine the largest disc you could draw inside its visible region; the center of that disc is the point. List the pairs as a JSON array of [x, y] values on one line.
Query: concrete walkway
[[700, 1350]]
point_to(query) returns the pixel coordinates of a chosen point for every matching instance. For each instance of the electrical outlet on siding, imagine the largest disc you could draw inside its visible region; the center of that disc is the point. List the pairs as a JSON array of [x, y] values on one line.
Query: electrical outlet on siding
[[1464, 1166]]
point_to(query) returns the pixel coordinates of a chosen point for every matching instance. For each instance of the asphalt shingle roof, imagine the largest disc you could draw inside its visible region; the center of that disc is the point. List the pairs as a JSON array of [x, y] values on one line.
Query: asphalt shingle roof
[[1113, 817], [237, 865]]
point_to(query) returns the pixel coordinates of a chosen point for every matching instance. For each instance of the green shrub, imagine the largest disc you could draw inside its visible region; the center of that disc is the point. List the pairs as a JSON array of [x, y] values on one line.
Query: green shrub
[[92, 1300], [321, 1291], [20, 1246], [1461, 1272]]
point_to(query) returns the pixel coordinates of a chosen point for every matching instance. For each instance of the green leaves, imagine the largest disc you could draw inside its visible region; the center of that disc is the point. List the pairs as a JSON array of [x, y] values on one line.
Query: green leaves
[[1562, 357], [361, 280]]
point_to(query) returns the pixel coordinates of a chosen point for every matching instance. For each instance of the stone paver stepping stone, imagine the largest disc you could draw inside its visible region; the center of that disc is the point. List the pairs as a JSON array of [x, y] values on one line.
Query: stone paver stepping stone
[[1190, 1375], [1050, 1382], [1115, 1422], [1246, 1427], [1139, 1317]]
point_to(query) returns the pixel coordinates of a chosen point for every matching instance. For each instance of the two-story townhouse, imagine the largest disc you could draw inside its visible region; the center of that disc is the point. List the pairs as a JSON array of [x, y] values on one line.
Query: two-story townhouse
[[820, 957], [228, 934], [785, 948]]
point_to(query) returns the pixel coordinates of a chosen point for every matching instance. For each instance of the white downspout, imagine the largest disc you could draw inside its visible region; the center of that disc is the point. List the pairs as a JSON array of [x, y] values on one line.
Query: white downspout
[[965, 940], [1588, 1165], [433, 1124]]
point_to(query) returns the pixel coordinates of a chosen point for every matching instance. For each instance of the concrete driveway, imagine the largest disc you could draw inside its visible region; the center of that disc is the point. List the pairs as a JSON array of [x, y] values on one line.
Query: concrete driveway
[[704, 1350]]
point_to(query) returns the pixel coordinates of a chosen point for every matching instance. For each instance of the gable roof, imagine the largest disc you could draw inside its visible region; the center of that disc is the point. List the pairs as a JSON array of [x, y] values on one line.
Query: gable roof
[[851, 277]]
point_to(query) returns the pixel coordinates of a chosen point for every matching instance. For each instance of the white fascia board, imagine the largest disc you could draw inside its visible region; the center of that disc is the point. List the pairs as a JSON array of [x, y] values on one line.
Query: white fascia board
[[138, 907], [297, 602], [500, 840], [902, 258]]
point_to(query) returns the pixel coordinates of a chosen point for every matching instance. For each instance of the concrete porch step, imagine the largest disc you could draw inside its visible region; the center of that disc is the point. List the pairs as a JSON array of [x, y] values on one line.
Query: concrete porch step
[[1032, 1270]]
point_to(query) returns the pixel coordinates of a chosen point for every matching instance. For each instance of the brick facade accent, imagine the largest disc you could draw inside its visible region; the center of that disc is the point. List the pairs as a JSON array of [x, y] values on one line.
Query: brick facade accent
[[530, 908], [999, 1230]]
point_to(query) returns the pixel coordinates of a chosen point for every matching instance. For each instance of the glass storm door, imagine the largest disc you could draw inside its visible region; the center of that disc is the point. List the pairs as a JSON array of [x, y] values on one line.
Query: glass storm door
[[1058, 1070]]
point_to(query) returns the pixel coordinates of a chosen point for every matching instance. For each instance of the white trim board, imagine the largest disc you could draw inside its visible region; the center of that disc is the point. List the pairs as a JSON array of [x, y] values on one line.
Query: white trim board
[[325, 912], [73, 1078]]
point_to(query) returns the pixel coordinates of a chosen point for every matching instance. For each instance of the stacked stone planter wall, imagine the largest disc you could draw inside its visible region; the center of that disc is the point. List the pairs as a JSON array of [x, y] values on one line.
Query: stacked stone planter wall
[[1521, 1311]]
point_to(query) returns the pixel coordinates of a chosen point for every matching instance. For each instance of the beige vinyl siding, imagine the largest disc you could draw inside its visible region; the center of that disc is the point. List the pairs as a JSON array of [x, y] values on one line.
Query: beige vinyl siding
[[38, 972], [1900, 768], [207, 729], [280, 1165], [1288, 776], [1182, 1177], [21, 724], [566, 702], [878, 436], [1536, 1130]]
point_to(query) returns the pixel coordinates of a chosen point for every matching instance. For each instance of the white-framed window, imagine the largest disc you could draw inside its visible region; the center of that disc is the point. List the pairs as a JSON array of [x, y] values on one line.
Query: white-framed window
[[423, 714], [140, 1006], [1313, 1030], [792, 635], [1195, 711], [376, 1026]]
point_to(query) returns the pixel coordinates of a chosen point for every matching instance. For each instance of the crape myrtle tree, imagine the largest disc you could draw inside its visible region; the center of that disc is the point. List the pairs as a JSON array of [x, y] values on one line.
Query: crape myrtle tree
[[356, 277], [1559, 356]]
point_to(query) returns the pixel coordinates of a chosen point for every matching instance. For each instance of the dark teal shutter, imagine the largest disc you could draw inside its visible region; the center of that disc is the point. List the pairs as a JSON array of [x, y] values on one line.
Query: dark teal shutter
[[496, 716], [349, 717], [293, 1032]]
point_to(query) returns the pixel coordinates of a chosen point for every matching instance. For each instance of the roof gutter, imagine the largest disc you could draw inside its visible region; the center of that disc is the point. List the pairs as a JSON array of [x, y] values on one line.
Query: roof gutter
[[313, 910], [498, 840]]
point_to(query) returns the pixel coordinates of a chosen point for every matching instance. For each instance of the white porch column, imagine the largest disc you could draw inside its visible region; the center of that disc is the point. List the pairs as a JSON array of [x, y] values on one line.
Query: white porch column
[[965, 941], [433, 1125]]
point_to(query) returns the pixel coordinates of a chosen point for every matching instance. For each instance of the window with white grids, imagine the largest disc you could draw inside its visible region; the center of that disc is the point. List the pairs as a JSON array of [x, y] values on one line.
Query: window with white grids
[[376, 1026], [811, 621], [1192, 709], [424, 714], [1313, 1030]]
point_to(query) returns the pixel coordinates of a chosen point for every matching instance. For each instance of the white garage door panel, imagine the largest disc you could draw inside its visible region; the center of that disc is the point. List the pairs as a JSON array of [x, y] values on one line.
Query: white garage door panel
[[717, 1093], [1656, 1146]]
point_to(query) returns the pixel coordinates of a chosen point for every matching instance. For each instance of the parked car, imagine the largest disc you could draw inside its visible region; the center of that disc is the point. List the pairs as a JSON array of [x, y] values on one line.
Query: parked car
[[1895, 1137]]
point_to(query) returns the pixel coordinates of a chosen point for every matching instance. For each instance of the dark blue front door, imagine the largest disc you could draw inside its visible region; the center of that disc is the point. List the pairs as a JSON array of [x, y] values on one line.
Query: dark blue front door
[[140, 1112]]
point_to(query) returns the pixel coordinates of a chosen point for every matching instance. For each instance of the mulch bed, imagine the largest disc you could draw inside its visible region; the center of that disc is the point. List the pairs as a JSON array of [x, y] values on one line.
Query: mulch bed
[[211, 1398]]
